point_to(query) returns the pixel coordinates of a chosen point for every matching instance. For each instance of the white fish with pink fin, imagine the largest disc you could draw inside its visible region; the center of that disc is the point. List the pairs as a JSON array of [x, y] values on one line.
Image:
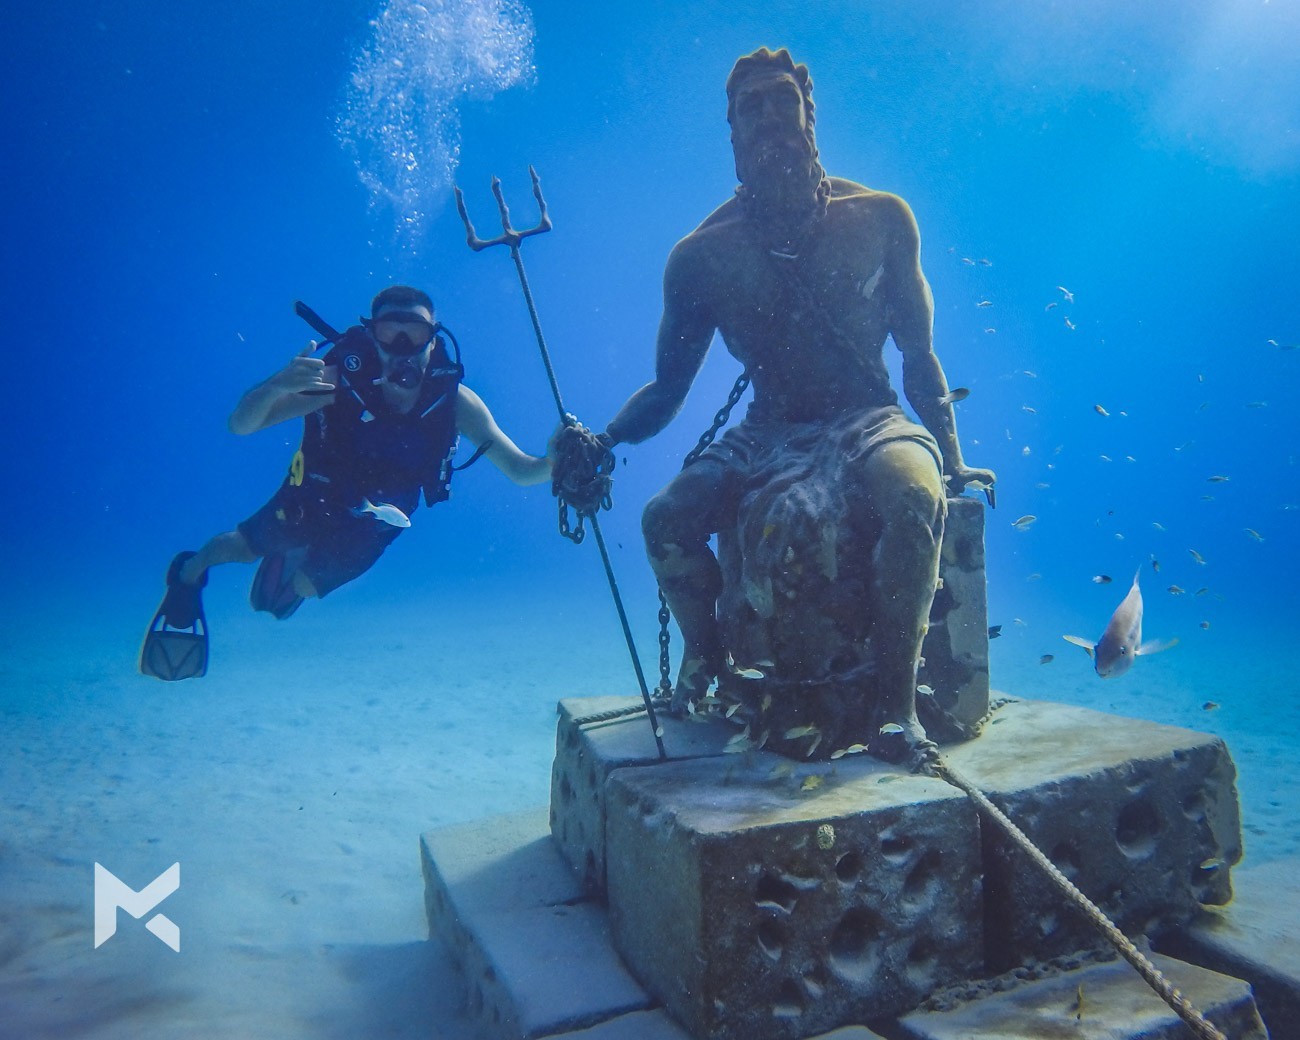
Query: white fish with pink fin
[[1121, 643]]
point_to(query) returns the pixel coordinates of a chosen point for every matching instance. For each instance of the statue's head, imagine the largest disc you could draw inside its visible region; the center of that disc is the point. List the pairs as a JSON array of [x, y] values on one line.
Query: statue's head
[[770, 109]]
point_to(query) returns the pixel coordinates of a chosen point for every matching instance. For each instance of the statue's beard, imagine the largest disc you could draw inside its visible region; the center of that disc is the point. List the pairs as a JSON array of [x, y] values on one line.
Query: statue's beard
[[780, 176]]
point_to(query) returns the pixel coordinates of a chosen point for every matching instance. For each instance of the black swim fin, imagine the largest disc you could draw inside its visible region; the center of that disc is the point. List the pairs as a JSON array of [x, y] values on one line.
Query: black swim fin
[[272, 589], [176, 645]]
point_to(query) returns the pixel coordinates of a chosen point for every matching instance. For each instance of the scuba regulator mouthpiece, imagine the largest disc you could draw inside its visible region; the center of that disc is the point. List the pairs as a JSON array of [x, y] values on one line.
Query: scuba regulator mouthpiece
[[405, 373]]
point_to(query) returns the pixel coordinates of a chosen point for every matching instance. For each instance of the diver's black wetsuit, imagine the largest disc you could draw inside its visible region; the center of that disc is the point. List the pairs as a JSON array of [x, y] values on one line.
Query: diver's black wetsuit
[[357, 448]]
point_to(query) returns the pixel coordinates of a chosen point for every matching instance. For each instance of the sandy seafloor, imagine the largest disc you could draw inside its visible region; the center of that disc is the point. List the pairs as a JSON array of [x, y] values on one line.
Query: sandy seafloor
[[292, 784]]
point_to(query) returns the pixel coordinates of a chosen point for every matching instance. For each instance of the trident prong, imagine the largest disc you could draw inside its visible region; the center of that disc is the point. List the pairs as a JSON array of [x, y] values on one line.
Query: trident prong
[[512, 237]]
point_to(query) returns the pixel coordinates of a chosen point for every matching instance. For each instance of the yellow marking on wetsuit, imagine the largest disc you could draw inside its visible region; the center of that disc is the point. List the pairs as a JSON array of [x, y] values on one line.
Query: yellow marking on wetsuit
[[296, 468]]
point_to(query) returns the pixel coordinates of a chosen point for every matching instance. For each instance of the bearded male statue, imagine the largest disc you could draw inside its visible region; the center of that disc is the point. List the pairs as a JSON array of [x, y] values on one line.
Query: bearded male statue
[[804, 276]]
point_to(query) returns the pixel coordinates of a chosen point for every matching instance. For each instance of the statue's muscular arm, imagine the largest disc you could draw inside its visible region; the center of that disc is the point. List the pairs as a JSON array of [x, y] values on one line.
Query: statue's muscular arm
[[911, 323], [685, 332]]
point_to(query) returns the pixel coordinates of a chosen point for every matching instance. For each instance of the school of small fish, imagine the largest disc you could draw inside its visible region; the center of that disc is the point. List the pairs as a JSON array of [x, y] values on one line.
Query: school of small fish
[[1120, 643]]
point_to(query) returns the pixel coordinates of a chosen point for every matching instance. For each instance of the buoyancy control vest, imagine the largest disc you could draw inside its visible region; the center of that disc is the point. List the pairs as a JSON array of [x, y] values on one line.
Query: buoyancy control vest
[[358, 447]]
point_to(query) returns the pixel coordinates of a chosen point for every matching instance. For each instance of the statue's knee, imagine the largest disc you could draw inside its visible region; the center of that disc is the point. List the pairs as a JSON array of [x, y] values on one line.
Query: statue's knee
[[654, 520]]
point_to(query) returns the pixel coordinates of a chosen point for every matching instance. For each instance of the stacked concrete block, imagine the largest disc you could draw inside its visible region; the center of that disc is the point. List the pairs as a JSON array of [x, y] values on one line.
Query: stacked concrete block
[[1257, 938], [586, 754], [956, 649], [1143, 818], [755, 898], [537, 959], [1098, 1002]]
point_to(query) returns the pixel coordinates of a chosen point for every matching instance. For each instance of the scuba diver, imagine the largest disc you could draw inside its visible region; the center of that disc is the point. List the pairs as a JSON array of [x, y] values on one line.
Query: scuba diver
[[382, 411]]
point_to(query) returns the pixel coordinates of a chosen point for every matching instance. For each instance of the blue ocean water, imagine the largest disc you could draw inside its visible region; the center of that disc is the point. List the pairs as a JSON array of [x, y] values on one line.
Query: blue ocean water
[[175, 176]]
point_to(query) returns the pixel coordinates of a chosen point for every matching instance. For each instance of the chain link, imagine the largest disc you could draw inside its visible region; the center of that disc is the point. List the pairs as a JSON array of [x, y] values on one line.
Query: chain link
[[720, 417]]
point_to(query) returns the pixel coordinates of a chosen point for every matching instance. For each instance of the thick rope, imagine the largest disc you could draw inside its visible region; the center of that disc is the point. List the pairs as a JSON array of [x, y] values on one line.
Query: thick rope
[[1182, 1007]]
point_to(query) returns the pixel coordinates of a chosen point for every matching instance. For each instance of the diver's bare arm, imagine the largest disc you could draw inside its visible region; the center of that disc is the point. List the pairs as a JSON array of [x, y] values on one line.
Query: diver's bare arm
[[281, 396], [685, 332], [475, 422]]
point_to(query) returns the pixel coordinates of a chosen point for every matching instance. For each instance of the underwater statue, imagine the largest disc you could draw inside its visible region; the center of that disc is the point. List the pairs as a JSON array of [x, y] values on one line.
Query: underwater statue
[[829, 502]]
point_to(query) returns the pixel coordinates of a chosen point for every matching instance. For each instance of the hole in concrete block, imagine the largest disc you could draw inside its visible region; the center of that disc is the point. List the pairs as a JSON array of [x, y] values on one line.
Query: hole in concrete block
[[775, 894], [921, 963], [1137, 828], [814, 982], [854, 951], [1194, 805], [771, 940], [566, 789], [789, 1001], [1048, 924], [895, 847], [848, 867], [1066, 858], [919, 878]]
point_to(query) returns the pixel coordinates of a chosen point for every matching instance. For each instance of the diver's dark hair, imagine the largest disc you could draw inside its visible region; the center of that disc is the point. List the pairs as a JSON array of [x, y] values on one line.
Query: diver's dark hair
[[400, 296], [764, 62]]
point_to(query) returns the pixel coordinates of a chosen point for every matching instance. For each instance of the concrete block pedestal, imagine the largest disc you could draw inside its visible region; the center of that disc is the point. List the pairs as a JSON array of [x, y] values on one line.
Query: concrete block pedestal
[[746, 895]]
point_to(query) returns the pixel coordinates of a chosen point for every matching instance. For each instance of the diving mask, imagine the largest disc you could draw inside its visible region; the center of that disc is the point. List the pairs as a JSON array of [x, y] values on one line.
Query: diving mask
[[401, 333]]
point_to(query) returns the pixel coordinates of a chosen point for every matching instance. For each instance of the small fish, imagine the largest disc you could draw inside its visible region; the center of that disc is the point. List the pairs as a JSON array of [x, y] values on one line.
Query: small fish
[[1051, 305], [1213, 863], [389, 514], [1129, 458], [1027, 408], [1121, 642], [795, 732], [747, 673], [1031, 375], [1209, 705], [1042, 485], [1176, 590], [852, 749], [1202, 591], [1205, 625], [1157, 525], [953, 396], [1197, 557], [890, 728], [1023, 523], [1254, 534], [1155, 565], [1069, 296], [810, 783], [1078, 1004], [984, 303], [968, 260], [740, 742], [1257, 404], [1034, 577], [1026, 451], [1218, 479], [925, 691], [782, 769], [1101, 579], [984, 262], [1047, 659], [1100, 410], [1105, 458], [995, 631], [1070, 325]]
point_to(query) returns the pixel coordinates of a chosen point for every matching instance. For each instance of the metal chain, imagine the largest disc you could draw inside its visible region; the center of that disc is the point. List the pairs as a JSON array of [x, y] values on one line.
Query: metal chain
[[720, 417], [1181, 1006]]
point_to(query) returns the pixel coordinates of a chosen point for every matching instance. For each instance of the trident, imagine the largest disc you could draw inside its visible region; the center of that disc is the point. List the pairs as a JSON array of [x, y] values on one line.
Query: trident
[[514, 238]]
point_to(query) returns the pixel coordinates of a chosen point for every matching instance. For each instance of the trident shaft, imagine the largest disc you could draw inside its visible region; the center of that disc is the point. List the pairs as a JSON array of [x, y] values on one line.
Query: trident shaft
[[514, 238]]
